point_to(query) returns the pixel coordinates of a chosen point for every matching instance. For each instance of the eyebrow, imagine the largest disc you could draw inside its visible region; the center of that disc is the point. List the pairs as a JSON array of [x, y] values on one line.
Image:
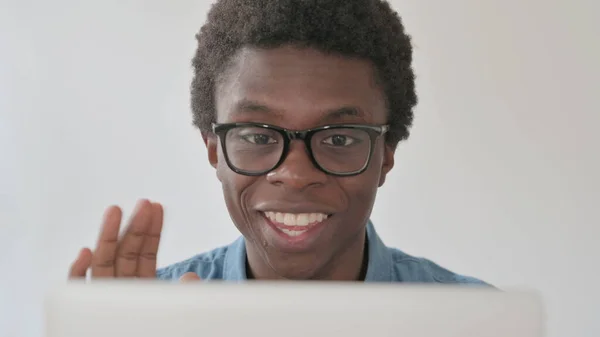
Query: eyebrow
[[246, 105], [250, 106], [347, 111]]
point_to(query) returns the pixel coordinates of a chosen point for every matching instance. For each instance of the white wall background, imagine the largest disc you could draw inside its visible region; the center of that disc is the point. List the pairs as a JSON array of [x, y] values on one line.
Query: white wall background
[[499, 180]]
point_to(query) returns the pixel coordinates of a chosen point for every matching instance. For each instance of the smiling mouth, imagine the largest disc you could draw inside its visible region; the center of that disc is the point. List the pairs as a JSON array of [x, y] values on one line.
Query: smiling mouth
[[295, 224]]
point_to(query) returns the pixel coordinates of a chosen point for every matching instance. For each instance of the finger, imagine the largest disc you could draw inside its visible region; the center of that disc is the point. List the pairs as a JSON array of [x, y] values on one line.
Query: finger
[[81, 264], [189, 277], [131, 243], [147, 259], [103, 259]]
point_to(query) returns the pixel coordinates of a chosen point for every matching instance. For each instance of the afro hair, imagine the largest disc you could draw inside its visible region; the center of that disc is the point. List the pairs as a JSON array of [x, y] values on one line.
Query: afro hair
[[365, 29]]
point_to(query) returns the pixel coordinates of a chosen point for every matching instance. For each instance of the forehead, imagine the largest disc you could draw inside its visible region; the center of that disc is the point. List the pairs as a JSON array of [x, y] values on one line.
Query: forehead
[[298, 88]]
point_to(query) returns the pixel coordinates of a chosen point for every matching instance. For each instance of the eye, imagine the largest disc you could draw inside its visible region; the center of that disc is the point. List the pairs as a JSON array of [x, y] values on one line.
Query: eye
[[339, 140], [259, 139]]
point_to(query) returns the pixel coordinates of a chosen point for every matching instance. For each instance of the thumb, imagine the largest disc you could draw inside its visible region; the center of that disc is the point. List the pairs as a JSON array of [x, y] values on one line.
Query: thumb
[[189, 277]]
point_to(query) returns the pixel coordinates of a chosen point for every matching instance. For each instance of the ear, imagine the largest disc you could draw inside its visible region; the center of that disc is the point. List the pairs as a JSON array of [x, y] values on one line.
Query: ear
[[211, 141], [388, 162]]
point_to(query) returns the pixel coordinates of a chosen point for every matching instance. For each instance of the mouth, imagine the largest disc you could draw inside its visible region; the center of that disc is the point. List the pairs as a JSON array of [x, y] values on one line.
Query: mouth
[[293, 225]]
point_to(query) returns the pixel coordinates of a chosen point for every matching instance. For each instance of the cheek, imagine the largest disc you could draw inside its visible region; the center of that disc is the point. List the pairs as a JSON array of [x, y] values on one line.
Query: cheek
[[361, 192], [362, 189], [234, 187], [237, 190]]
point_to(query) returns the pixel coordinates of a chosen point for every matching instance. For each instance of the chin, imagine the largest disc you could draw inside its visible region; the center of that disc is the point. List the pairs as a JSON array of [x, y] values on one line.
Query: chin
[[296, 273]]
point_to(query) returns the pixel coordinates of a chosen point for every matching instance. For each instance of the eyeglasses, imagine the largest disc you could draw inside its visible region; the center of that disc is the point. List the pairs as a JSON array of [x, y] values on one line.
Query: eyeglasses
[[255, 149]]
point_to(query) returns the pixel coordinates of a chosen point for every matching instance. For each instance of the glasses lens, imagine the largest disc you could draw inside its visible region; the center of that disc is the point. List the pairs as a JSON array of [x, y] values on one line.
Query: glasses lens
[[341, 150], [253, 149]]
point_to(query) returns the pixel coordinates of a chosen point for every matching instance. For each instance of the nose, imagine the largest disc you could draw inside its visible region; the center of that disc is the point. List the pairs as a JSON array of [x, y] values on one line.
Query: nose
[[297, 171]]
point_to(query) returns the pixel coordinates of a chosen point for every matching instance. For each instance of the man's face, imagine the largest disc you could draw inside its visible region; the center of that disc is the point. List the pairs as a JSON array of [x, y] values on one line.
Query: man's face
[[299, 89]]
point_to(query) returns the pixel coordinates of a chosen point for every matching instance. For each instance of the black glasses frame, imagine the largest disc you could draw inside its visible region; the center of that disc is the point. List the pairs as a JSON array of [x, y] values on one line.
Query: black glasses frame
[[374, 131]]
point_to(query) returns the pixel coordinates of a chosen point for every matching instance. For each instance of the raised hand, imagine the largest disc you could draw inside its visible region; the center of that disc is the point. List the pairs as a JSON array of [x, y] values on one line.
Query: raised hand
[[132, 254]]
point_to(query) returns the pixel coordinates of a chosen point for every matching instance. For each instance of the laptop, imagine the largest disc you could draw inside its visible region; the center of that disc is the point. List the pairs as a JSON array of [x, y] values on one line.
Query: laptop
[[288, 309]]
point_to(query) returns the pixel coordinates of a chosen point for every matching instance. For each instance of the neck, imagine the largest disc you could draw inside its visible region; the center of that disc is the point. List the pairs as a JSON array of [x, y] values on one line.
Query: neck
[[349, 264]]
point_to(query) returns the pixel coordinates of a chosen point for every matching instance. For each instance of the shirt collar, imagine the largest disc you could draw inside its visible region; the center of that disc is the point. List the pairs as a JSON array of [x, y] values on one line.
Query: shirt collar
[[378, 270], [234, 267], [380, 257]]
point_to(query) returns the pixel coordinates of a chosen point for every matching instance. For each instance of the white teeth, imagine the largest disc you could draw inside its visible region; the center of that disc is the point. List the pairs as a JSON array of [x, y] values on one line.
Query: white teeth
[[291, 233], [290, 219], [302, 219]]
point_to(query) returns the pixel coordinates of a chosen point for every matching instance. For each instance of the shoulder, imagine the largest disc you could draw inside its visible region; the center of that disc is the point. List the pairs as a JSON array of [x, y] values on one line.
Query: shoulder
[[208, 265], [407, 268]]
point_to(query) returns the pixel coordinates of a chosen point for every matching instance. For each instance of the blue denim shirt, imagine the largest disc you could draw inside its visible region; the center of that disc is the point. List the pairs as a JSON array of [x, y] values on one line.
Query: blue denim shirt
[[385, 265]]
